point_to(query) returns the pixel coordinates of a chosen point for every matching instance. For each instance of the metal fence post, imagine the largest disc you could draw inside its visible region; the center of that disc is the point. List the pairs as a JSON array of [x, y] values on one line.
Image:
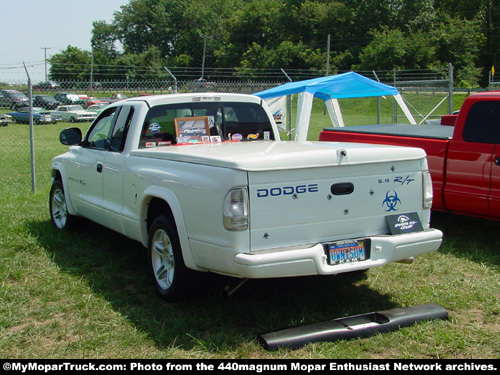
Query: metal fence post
[[174, 78], [378, 99], [450, 89], [32, 133], [394, 105], [289, 100]]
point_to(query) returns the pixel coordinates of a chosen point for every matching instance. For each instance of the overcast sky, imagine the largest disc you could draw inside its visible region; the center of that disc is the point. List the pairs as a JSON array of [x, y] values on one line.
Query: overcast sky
[[28, 26]]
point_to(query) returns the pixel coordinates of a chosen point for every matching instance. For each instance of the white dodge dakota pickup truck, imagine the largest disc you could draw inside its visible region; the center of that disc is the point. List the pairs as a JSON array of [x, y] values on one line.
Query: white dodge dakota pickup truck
[[204, 182]]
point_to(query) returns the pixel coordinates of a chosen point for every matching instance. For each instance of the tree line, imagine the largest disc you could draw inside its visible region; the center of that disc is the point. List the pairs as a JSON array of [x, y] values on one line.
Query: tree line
[[335, 35]]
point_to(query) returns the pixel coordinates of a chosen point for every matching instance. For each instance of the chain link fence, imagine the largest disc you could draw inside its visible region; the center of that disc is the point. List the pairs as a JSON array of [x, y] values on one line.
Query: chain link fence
[[428, 95]]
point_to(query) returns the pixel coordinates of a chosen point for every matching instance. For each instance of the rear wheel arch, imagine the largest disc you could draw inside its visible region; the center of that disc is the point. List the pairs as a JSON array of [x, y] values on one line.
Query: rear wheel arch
[[156, 207], [56, 175], [159, 206], [172, 276]]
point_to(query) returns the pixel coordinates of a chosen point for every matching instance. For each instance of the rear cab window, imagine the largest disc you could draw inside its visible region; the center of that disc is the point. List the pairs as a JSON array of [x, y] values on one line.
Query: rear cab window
[[172, 124]]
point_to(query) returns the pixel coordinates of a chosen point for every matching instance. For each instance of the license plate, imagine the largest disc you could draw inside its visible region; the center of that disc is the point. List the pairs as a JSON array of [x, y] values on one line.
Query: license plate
[[349, 251]]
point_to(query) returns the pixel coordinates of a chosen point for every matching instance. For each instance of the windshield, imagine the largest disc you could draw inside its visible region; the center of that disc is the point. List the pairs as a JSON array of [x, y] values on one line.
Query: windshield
[[194, 122]]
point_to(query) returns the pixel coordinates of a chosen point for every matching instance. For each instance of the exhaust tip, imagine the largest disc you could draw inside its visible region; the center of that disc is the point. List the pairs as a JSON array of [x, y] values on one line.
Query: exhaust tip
[[409, 260]]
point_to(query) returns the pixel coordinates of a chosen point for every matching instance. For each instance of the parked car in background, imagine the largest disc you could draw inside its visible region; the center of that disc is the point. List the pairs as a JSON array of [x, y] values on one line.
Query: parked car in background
[[48, 85], [40, 116], [13, 99], [82, 100], [92, 101], [66, 97], [114, 98], [97, 108], [74, 113], [5, 120], [45, 101], [86, 101]]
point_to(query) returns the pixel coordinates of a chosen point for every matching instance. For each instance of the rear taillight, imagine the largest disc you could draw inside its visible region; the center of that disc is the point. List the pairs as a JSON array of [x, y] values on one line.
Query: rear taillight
[[427, 188], [235, 213]]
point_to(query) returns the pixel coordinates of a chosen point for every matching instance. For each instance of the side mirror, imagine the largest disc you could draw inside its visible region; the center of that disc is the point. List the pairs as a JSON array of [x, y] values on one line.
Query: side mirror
[[71, 136]]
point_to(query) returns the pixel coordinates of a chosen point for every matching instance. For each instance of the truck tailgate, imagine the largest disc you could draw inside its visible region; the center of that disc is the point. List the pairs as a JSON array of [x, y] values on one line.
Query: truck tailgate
[[292, 207]]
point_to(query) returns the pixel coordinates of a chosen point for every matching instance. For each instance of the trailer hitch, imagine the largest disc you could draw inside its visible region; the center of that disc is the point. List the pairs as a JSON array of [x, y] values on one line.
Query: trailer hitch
[[363, 325]]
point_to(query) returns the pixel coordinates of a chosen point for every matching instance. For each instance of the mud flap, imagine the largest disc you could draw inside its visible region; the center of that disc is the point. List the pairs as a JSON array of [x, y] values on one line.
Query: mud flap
[[363, 325]]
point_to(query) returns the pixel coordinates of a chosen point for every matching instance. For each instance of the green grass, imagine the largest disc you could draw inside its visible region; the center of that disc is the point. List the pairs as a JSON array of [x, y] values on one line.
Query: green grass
[[85, 293]]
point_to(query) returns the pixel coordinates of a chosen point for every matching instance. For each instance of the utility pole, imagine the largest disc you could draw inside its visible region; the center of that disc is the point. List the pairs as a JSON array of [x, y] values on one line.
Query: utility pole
[[45, 60], [91, 72], [204, 52], [328, 56]]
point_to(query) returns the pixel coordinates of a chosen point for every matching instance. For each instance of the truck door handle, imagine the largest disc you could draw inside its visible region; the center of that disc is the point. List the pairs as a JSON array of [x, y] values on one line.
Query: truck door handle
[[99, 168], [497, 161]]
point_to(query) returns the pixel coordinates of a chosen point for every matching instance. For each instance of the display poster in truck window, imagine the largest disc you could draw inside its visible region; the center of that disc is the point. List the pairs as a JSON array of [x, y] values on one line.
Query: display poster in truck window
[[191, 129]]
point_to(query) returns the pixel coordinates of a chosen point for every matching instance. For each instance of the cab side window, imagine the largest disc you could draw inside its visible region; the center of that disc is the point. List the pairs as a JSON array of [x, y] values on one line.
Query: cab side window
[[99, 135], [120, 130], [110, 129]]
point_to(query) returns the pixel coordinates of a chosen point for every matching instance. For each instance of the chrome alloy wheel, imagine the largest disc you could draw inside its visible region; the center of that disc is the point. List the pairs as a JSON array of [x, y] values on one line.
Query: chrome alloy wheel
[[58, 208], [162, 259]]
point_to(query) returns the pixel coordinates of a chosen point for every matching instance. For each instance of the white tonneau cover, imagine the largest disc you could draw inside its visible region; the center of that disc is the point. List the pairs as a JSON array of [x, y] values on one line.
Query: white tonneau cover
[[270, 155]]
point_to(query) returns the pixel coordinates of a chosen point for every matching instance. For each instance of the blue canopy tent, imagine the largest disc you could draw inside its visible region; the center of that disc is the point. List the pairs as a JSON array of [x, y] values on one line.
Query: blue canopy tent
[[330, 89]]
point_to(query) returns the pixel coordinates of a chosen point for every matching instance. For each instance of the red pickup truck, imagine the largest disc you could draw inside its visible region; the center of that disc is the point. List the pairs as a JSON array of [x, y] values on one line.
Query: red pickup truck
[[463, 153]]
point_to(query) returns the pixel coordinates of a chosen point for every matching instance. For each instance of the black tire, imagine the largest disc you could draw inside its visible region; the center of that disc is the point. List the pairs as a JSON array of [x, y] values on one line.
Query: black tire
[[170, 275], [58, 208]]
